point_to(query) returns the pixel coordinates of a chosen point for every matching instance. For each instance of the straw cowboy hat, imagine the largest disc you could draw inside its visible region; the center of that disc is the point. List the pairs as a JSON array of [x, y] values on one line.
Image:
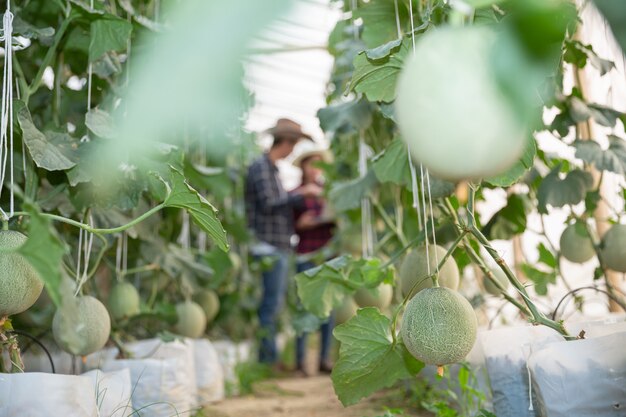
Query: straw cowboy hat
[[307, 149], [286, 128]]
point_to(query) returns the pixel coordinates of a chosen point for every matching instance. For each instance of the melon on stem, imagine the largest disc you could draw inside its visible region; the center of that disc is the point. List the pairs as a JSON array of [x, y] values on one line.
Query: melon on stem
[[20, 284], [379, 297], [209, 301], [191, 321], [576, 244], [613, 252], [82, 326], [439, 326], [124, 301]]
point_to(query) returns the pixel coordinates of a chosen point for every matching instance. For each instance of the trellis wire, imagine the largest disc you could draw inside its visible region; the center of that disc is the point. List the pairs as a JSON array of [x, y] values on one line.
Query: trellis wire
[[6, 111]]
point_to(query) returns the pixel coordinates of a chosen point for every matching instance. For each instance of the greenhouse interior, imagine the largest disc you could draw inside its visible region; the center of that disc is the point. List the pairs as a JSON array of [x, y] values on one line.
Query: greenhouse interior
[[220, 208]]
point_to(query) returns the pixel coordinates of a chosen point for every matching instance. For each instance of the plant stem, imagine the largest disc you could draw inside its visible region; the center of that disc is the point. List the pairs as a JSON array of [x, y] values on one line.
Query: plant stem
[[535, 315], [47, 60], [419, 239], [390, 224], [97, 231]]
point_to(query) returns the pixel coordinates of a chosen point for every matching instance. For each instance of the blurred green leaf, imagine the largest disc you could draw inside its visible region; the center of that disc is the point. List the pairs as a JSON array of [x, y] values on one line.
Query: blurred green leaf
[[347, 195], [109, 33], [379, 21], [377, 79], [612, 159], [509, 220], [546, 256], [52, 152], [392, 165], [579, 54], [558, 192], [540, 278], [345, 117], [44, 251], [369, 360], [383, 51], [100, 122]]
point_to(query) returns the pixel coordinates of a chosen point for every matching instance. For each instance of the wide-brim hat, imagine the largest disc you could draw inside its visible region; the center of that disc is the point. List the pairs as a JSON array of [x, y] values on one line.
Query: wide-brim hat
[[307, 150], [288, 129]]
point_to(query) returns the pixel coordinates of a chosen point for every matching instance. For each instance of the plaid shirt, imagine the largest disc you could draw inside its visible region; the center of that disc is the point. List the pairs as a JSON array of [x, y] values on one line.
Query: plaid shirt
[[269, 207], [316, 237]]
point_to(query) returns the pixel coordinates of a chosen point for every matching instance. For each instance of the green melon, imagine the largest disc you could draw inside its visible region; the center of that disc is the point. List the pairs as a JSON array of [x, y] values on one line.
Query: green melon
[[613, 251], [20, 285], [346, 311], [123, 301], [191, 320], [576, 246], [439, 326], [451, 110], [379, 297], [415, 269], [501, 277], [82, 326], [209, 301], [235, 261]]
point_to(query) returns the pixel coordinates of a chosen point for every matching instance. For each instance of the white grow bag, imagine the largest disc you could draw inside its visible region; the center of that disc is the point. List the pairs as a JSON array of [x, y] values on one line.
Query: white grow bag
[[582, 378], [209, 373], [230, 355], [506, 354], [113, 392], [37, 394], [164, 382]]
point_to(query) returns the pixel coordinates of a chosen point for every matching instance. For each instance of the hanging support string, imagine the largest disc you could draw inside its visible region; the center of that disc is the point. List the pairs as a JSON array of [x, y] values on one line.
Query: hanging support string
[[6, 111], [85, 243], [426, 189]]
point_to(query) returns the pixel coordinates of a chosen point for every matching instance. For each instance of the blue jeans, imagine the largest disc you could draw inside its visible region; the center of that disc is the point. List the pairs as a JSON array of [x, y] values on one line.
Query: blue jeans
[[274, 289], [326, 331]]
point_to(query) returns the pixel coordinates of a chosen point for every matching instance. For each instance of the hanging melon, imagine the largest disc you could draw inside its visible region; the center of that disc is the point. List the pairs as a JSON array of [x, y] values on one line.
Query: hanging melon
[[191, 320], [82, 326], [613, 251], [345, 311], [414, 269], [123, 301], [379, 297], [576, 245], [20, 285], [502, 279], [209, 301]]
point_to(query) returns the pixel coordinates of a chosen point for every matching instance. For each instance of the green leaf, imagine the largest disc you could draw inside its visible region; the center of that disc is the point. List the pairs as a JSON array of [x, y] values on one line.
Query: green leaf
[[100, 123], [392, 164], [541, 279], [345, 117], [379, 21], [579, 54], [510, 220], [44, 251], [25, 29], [108, 34], [369, 360], [558, 192], [347, 195], [546, 257], [182, 195], [377, 79], [518, 170], [383, 51], [612, 159], [323, 288], [52, 152]]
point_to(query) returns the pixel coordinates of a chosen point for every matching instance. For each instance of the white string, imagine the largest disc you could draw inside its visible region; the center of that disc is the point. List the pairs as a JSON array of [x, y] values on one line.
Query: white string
[[89, 74], [118, 256], [6, 111], [398, 27], [366, 208], [426, 178], [85, 243]]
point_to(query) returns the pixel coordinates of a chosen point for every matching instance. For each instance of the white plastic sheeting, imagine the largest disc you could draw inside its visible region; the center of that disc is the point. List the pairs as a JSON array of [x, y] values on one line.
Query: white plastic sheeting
[[36, 394], [112, 391]]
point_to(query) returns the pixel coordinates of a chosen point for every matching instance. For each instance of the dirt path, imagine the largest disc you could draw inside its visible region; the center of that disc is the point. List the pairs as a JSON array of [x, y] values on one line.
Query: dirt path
[[301, 397]]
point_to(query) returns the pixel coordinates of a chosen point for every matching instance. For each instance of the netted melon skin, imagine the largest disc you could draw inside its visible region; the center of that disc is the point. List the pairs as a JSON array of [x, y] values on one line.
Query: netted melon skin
[[20, 285], [89, 324], [574, 247], [379, 297], [210, 303], [415, 268], [439, 326], [191, 320], [613, 252], [123, 301]]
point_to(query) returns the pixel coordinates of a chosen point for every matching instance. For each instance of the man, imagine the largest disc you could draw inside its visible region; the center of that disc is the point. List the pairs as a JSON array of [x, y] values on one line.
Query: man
[[269, 209]]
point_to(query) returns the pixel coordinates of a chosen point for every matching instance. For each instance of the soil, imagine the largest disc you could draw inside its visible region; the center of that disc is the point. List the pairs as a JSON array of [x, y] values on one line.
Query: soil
[[294, 397]]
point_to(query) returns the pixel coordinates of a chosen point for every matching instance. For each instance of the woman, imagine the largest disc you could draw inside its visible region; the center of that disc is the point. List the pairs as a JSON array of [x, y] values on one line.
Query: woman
[[314, 229]]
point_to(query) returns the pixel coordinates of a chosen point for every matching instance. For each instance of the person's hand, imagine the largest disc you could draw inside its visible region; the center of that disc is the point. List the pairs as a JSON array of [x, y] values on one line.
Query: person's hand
[[307, 220], [311, 190]]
